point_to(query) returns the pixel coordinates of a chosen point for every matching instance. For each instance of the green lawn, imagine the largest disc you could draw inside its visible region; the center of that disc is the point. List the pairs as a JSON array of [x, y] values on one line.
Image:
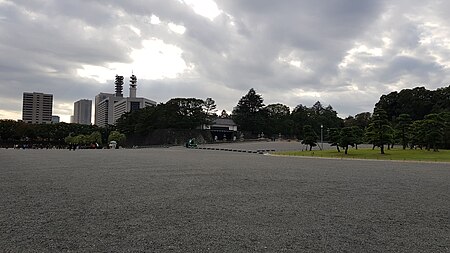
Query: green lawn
[[393, 154]]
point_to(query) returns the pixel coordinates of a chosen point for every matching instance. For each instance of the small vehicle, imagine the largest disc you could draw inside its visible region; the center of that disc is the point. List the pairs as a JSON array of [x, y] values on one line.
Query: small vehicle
[[191, 143], [113, 145]]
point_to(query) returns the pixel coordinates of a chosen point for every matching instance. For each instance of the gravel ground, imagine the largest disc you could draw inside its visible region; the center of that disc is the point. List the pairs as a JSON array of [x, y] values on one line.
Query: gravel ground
[[187, 200]]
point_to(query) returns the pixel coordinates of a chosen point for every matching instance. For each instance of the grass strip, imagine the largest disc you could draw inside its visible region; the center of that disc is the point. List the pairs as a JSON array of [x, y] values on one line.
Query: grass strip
[[392, 154]]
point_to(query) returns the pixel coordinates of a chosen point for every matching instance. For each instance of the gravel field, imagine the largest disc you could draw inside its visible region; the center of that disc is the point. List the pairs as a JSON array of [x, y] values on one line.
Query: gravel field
[[188, 200]]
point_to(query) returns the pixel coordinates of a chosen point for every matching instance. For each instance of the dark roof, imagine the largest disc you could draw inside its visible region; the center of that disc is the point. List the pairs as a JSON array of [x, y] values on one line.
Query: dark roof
[[226, 122]]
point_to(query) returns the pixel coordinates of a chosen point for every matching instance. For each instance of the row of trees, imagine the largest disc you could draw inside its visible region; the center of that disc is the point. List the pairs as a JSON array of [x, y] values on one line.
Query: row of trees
[[94, 139], [177, 113], [60, 134], [417, 102], [16, 131], [251, 115], [424, 124], [382, 128], [432, 132]]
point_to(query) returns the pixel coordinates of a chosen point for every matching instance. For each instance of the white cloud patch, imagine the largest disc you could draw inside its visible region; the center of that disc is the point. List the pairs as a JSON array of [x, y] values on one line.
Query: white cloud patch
[[206, 8], [155, 60], [155, 20], [177, 28], [135, 30], [64, 110], [9, 114], [294, 62]]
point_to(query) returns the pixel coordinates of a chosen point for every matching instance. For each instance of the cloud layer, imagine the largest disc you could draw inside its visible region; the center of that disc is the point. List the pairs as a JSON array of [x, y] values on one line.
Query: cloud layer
[[346, 53]]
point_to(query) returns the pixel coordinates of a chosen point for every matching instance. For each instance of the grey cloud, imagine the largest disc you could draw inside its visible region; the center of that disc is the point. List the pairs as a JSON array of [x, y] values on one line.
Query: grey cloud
[[238, 50], [404, 67]]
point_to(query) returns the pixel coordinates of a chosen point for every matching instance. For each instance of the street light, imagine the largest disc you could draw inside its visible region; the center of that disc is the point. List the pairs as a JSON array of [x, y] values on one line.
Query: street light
[[321, 135]]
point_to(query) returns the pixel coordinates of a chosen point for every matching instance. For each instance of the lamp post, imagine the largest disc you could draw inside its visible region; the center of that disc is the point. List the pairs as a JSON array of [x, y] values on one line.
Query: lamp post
[[321, 135]]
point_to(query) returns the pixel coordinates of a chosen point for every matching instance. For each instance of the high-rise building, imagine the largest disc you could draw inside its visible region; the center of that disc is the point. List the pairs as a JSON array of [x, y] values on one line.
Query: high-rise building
[[104, 109], [129, 105], [37, 108], [110, 107], [82, 112], [55, 119]]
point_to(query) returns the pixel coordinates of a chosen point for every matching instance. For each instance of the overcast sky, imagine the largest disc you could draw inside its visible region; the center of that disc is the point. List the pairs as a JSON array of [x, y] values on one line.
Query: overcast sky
[[344, 53]]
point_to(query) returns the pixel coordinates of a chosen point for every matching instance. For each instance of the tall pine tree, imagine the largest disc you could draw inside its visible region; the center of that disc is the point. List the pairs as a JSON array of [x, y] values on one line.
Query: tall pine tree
[[247, 114], [379, 130]]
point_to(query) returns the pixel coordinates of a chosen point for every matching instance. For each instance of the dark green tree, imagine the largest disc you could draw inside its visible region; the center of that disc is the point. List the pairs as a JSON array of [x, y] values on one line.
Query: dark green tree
[[95, 137], [316, 116], [379, 130], [300, 118], [434, 131], [310, 137], [417, 102], [349, 121], [446, 131], [403, 126], [209, 107], [334, 136], [116, 136], [358, 135], [362, 120], [323, 116], [224, 115], [346, 138], [248, 112], [417, 134], [441, 100], [177, 113], [7, 130], [277, 119], [189, 113]]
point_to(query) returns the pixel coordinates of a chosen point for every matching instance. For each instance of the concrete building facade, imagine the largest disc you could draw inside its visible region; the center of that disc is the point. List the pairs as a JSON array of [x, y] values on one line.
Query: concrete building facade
[[104, 109], [37, 108], [110, 107], [129, 105], [82, 112]]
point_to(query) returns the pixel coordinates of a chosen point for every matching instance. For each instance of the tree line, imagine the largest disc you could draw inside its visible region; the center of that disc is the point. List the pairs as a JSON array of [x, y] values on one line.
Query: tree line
[[55, 135], [253, 117], [177, 113], [389, 124], [423, 123]]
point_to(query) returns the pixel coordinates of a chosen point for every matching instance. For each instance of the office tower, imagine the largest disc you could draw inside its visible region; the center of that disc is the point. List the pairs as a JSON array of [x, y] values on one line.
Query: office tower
[[104, 109], [82, 112], [131, 103], [37, 108], [110, 107]]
